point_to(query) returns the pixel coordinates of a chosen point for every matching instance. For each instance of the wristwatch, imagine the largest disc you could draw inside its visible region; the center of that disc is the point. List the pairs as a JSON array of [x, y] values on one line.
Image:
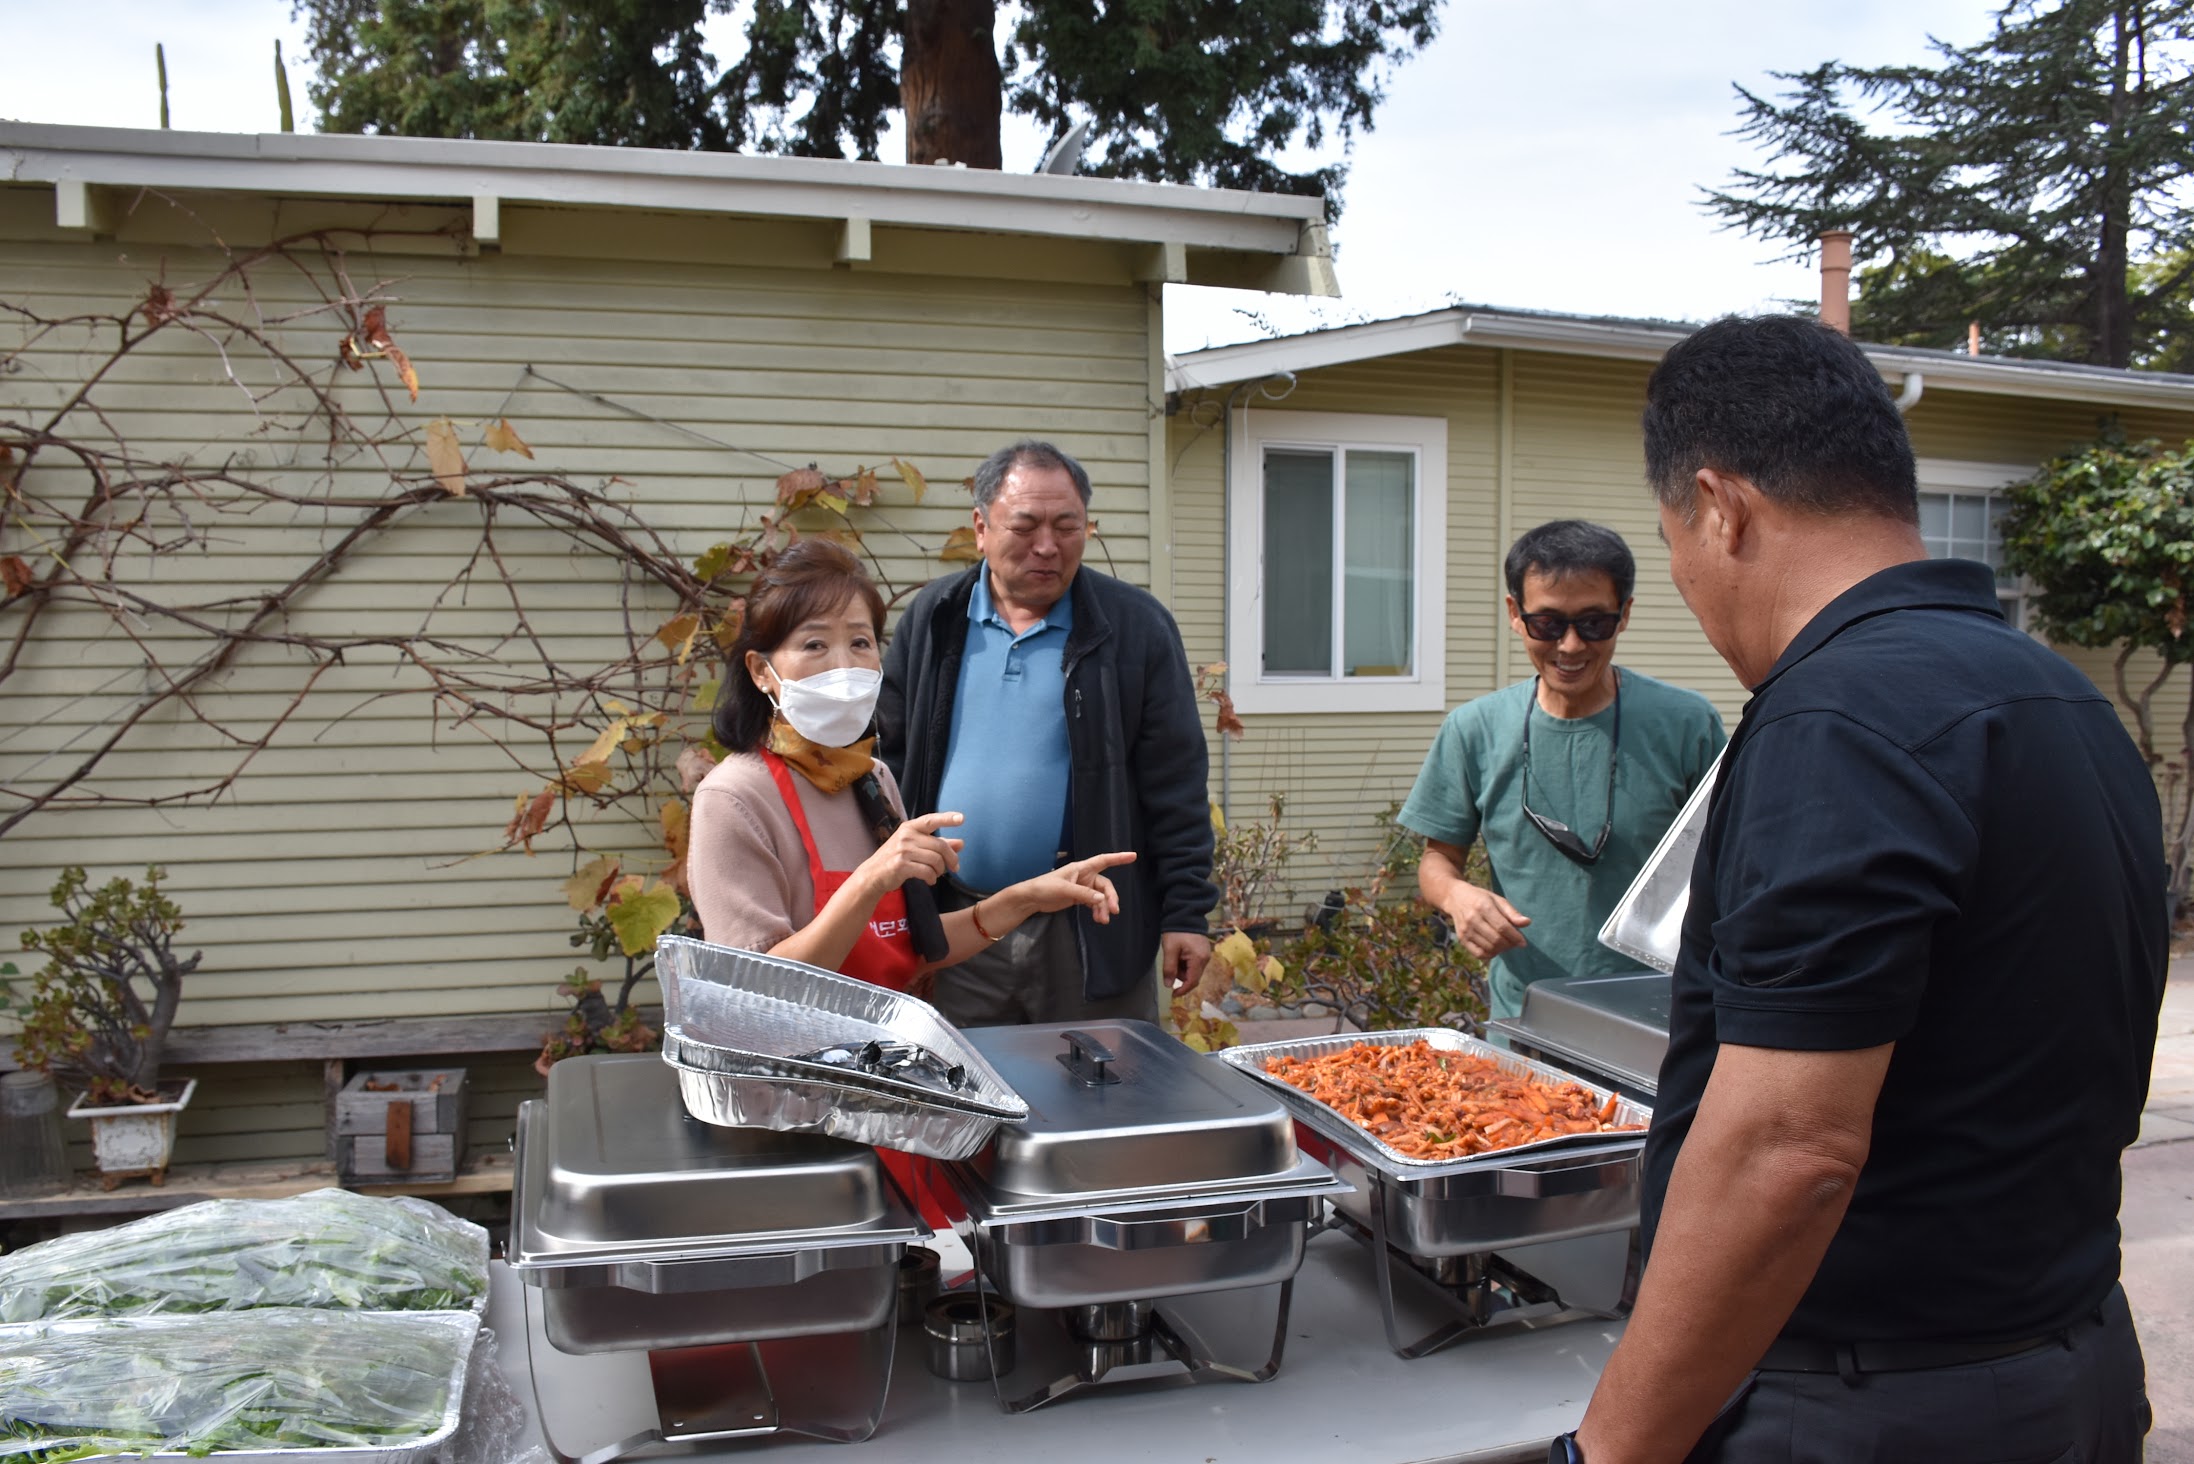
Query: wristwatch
[[1564, 1450]]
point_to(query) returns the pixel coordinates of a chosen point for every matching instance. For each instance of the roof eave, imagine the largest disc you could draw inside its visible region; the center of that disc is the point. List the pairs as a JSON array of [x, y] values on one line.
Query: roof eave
[[1615, 340], [1219, 233]]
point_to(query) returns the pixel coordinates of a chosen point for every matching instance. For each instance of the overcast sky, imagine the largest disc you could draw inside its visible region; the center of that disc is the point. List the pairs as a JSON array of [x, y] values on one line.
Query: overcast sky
[[1539, 155]]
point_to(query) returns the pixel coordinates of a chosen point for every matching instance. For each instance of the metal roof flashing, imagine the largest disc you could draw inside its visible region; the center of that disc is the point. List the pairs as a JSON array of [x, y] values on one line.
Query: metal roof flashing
[[1196, 235], [1614, 338]]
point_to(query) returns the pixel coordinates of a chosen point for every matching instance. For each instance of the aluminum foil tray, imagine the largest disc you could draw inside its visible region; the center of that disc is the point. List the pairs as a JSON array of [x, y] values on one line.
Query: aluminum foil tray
[[735, 1022], [425, 1449], [1647, 923], [1355, 1138]]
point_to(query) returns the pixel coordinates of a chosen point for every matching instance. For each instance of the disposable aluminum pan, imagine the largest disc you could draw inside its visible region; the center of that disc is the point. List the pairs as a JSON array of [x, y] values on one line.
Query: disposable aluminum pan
[[1647, 923], [425, 1449], [737, 1023], [1554, 1189]]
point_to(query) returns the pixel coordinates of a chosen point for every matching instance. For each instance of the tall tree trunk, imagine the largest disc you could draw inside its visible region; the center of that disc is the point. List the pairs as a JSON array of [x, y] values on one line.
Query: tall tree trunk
[[949, 83], [2113, 344]]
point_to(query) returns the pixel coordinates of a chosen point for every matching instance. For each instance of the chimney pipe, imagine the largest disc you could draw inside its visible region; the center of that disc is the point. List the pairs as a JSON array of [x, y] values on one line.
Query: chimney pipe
[[1836, 280], [1973, 338]]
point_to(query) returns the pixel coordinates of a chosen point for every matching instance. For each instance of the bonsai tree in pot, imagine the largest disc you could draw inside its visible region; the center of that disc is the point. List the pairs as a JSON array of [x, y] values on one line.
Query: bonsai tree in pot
[[98, 1014]]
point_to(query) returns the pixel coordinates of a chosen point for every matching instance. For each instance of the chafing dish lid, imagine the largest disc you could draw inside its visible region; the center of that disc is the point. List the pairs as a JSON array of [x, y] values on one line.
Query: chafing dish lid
[[1120, 1106], [1647, 923], [614, 1160], [1616, 1025]]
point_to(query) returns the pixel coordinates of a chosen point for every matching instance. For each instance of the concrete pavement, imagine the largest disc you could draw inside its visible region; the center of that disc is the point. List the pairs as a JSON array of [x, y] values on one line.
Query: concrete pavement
[[2157, 1216], [2170, 1115]]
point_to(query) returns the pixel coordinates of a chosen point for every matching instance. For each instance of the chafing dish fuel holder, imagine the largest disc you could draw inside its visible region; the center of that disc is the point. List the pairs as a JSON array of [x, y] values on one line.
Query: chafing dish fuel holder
[[759, 1270], [1147, 1217]]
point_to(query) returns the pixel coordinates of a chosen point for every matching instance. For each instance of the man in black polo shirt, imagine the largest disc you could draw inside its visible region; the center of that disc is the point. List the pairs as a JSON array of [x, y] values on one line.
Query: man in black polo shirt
[[1916, 1000]]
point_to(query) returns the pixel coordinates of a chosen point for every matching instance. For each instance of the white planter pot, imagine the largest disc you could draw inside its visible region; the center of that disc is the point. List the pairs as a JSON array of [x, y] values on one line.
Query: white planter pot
[[132, 1139]]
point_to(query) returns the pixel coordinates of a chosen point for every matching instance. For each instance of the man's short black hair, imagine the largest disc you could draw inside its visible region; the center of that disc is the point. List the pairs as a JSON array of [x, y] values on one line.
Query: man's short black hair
[[1571, 546], [990, 476], [1786, 402]]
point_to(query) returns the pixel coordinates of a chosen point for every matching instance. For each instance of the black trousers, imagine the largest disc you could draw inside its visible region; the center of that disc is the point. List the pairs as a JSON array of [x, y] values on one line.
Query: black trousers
[[2083, 1403]]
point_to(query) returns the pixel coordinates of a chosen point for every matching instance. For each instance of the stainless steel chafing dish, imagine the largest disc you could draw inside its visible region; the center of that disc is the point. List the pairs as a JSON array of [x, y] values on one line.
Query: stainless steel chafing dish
[[736, 1258], [1143, 1179], [1518, 1235]]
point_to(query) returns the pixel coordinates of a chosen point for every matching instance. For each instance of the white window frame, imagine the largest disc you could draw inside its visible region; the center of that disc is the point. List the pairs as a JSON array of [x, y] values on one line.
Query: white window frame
[[1425, 689], [1979, 479]]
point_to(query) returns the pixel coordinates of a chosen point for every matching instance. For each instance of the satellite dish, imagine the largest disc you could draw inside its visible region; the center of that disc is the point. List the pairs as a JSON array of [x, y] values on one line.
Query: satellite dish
[[1066, 154]]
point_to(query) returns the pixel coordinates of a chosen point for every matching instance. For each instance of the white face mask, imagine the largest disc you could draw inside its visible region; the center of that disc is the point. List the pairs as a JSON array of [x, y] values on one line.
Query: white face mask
[[830, 708]]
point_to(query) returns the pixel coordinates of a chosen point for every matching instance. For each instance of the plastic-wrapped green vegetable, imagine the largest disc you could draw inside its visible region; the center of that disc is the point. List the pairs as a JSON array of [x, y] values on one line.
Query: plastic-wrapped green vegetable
[[268, 1379], [329, 1248]]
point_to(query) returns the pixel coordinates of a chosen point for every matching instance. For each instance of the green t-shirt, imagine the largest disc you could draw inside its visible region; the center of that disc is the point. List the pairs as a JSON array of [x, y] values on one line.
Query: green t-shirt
[[1472, 784]]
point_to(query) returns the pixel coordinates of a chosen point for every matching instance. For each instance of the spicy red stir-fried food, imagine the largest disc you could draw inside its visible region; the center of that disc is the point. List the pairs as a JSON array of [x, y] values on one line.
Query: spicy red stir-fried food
[[1432, 1104]]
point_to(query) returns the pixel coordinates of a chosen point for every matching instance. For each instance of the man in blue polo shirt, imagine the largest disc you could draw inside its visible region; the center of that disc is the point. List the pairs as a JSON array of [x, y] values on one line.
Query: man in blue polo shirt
[[1915, 1002], [1052, 705]]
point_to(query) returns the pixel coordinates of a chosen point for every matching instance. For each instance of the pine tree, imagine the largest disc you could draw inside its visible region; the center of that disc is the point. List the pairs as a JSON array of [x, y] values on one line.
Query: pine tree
[[1208, 91], [2032, 182]]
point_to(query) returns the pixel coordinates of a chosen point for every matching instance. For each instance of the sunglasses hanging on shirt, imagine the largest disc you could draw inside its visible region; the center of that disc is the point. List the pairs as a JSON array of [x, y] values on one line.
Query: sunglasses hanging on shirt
[[1559, 834]]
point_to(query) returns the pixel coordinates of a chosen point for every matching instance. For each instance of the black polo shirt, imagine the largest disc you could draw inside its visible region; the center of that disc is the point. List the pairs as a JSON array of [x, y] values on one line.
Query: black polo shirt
[[1933, 831]]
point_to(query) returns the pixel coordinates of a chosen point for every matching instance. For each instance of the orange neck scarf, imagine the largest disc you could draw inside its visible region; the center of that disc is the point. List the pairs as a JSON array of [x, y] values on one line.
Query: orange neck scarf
[[830, 769]]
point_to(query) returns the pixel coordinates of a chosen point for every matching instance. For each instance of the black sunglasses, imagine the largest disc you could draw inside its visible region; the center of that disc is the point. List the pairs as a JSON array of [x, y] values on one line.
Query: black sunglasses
[[1559, 834], [1593, 625]]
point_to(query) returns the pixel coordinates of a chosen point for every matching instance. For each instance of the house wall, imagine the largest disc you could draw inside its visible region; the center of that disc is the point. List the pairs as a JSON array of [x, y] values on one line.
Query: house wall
[[1569, 448], [344, 876]]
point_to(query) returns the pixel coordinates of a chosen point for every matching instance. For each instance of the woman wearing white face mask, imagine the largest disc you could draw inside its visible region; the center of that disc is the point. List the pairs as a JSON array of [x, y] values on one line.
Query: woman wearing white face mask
[[783, 856]]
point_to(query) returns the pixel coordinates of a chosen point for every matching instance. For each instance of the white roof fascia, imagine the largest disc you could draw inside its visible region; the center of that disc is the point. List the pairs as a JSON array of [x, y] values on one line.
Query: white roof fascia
[[348, 166], [1616, 340]]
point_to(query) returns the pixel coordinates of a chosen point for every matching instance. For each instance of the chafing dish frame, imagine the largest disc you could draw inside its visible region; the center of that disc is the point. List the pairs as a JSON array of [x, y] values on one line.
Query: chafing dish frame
[[1160, 1244], [1171, 1342], [1267, 1225], [721, 1388], [1566, 1188]]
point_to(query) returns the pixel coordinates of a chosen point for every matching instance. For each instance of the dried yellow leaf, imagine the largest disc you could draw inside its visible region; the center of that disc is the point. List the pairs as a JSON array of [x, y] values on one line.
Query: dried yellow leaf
[[502, 437], [912, 477], [446, 457], [678, 632]]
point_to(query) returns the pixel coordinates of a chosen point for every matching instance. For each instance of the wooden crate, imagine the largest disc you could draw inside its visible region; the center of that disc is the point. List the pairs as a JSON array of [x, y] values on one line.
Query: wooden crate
[[392, 1126]]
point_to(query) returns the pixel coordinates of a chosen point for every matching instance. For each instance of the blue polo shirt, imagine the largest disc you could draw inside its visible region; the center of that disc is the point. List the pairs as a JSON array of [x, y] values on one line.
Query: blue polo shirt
[[1006, 763], [1932, 831]]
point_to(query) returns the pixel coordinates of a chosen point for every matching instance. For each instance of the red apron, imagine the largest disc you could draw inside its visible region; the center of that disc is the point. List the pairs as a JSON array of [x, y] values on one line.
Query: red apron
[[883, 955]]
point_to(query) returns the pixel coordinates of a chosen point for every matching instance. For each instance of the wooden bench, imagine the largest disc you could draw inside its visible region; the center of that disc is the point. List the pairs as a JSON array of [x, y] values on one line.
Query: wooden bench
[[484, 1174], [335, 1045]]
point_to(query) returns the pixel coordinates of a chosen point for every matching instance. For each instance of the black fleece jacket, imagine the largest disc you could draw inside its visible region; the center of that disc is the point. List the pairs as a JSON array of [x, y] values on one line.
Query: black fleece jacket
[[1135, 743]]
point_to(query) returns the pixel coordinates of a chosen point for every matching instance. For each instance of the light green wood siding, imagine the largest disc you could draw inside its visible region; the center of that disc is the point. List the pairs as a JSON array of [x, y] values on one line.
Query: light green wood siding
[[342, 879], [1575, 453]]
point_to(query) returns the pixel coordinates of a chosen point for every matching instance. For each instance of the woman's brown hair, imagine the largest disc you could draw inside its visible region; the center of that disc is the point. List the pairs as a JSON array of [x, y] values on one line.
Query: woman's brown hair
[[807, 582]]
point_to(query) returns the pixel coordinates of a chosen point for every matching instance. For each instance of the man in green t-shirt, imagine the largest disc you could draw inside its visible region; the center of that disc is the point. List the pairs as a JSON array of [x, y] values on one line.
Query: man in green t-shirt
[[1571, 777]]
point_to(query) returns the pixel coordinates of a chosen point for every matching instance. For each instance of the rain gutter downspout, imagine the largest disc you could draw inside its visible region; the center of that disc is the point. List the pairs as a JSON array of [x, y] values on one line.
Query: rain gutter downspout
[[1226, 587], [1909, 397], [1235, 400], [1504, 502]]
